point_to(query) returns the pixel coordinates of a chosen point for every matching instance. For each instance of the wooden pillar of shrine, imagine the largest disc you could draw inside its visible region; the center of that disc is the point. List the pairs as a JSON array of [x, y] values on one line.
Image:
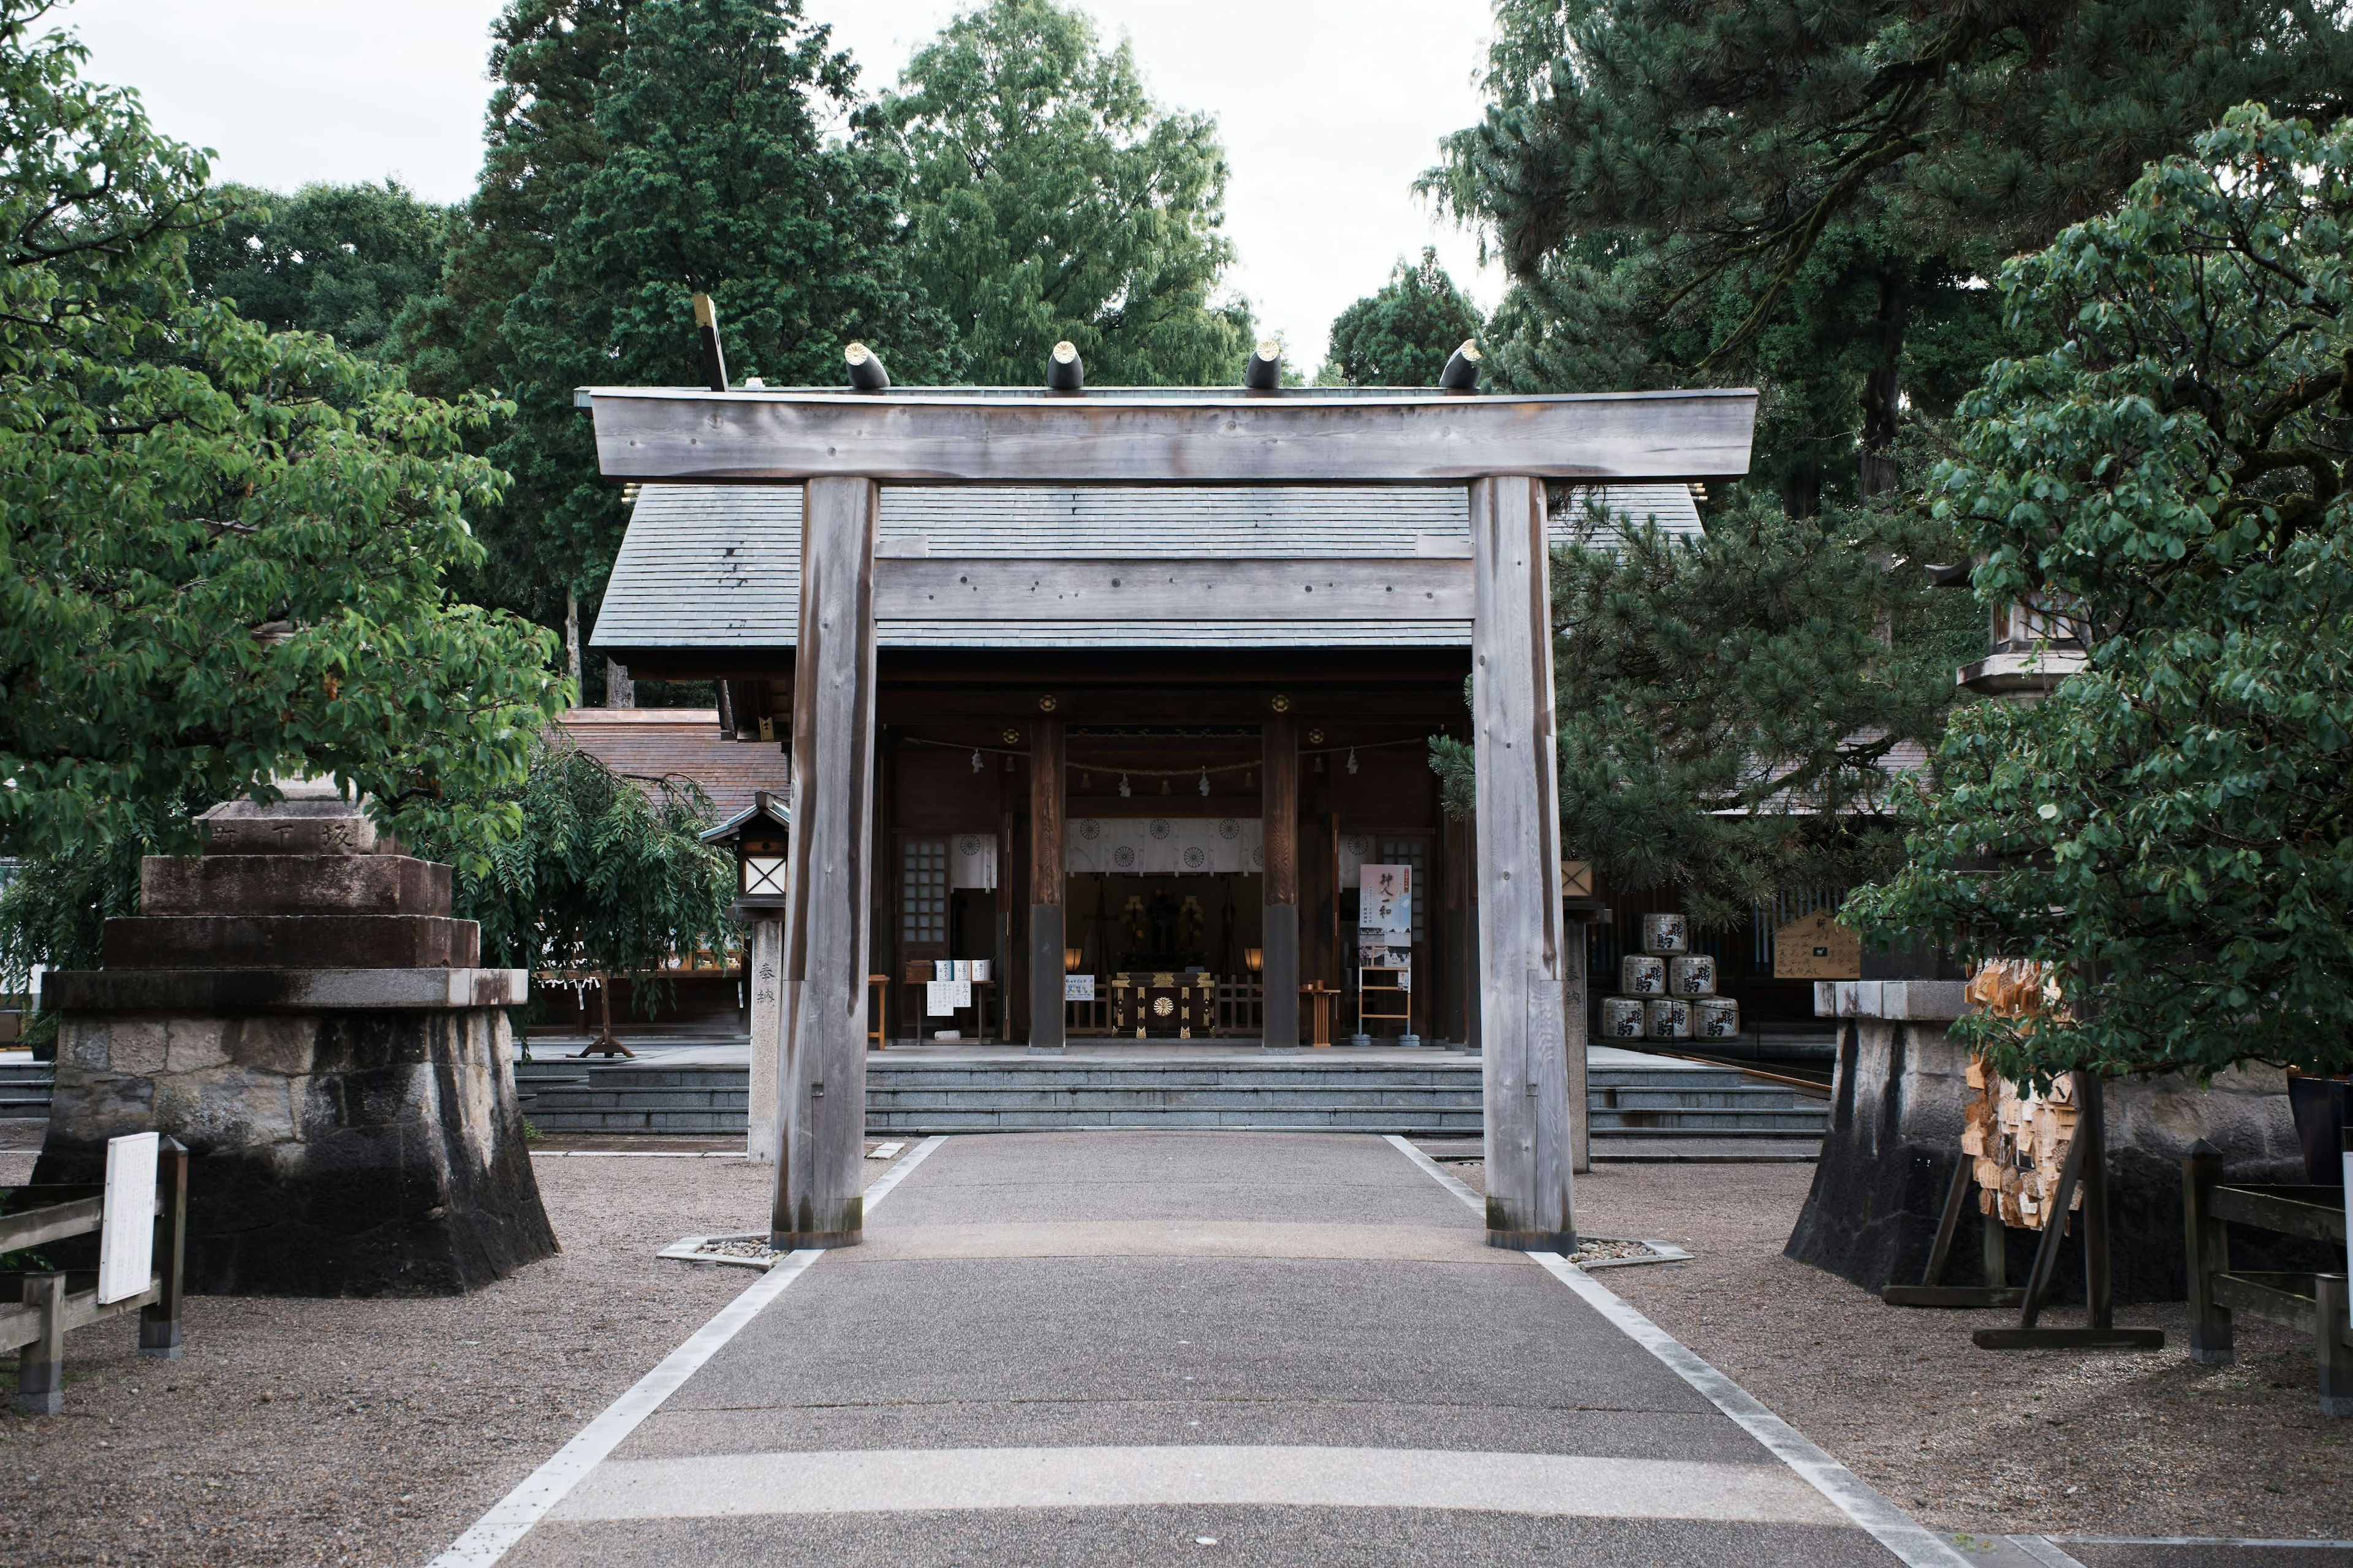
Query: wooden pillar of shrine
[[1279, 815], [821, 1110], [1046, 873], [1526, 975]]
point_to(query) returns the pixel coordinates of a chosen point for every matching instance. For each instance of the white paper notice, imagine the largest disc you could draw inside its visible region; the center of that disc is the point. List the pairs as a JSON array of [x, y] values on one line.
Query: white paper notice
[[1077, 987], [126, 1237], [939, 998]]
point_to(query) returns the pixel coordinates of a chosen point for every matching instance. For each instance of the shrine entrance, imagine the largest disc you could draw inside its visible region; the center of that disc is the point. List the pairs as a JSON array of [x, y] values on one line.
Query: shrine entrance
[[974, 613]]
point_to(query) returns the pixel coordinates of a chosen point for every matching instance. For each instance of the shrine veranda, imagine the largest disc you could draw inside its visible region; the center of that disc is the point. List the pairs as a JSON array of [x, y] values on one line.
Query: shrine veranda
[[1130, 685]]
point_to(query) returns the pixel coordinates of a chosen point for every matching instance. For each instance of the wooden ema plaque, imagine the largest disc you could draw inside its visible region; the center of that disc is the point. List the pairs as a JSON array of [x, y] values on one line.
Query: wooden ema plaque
[[1816, 947]]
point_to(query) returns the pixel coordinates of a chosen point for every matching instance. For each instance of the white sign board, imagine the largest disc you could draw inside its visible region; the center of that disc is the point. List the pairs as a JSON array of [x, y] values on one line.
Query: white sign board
[[942, 997], [1077, 987], [126, 1236]]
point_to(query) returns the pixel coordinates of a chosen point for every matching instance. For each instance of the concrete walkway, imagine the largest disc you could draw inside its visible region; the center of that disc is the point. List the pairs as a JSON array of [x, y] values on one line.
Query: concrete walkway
[[1158, 1348]]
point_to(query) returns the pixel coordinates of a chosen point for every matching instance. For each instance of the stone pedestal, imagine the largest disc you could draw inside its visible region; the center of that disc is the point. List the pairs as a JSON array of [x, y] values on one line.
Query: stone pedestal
[[1896, 1135], [299, 1009]]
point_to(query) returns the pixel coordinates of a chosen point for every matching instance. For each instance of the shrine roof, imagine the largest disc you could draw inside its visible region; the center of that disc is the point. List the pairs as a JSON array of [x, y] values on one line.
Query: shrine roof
[[718, 567]]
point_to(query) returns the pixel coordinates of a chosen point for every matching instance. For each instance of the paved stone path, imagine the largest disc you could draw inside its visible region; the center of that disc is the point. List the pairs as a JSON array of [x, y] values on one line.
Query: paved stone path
[[1095, 1349]]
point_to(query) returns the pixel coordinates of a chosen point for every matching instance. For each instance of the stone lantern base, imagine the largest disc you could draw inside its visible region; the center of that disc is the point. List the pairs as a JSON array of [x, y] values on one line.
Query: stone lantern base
[[313, 1027]]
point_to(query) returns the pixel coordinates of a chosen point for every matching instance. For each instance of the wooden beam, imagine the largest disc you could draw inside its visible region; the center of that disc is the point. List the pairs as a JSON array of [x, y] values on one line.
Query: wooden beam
[[1278, 817], [1046, 872], [934, 589], [683, 435], [1524, 968], [822, 1117]]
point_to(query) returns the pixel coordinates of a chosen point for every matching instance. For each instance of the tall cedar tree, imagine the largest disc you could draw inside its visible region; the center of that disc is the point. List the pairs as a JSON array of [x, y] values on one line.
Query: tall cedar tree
[[339, 259], [1050, 198], [730, 163], [1402, 334], [222, 550], [539, 137], [2171, 830]]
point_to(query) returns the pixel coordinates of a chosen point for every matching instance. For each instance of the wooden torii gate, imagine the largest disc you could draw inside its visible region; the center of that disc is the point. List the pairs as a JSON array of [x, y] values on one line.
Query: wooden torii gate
[[843, 445]]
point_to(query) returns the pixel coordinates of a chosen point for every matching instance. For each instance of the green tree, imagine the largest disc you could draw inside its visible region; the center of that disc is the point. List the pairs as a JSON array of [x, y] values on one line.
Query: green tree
[[338, 260], [1050, 198], [1403, 334], [1735, 709], [2171, 830], [224, 548], [1685, 176], [609, 875], [718, 174]]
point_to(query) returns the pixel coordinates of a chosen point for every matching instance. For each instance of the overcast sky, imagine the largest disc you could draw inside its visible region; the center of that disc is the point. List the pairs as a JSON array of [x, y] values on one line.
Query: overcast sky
[[1329, 107]]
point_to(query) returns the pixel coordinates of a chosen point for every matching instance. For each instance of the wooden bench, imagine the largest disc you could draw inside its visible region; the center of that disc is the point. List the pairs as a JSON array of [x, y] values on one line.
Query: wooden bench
[[2313, 1304], [55, 1301]]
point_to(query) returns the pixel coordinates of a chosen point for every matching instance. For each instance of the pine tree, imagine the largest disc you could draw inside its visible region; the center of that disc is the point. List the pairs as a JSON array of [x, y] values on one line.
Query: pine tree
[[1403, 333], [1730, 166], [1049, 198]]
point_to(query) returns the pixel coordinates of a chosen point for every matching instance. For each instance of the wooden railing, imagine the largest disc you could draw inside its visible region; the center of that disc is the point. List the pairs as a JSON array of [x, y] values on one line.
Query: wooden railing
[[55, 1301]]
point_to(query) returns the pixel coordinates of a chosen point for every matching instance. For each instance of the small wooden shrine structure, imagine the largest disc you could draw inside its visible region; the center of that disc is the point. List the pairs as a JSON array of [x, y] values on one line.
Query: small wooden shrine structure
[[1125, 685]]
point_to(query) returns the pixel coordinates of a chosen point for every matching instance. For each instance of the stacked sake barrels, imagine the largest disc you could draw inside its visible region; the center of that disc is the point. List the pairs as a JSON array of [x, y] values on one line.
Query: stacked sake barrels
[[1667, 992]]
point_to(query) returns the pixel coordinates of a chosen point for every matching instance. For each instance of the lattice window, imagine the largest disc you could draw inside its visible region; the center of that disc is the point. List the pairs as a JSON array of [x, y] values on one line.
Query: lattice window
[[1413, 852], [924, 891]]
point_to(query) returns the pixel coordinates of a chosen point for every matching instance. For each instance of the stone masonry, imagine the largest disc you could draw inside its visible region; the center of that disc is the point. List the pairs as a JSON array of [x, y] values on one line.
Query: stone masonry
[[298, 1007]]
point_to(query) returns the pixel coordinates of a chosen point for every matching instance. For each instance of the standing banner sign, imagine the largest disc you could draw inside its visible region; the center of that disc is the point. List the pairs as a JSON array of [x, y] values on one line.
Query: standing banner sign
[[1385, 917]]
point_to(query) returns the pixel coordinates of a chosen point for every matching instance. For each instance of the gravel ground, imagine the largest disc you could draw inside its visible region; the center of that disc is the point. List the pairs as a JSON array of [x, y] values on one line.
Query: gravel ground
[[367, 1432], [2047, 1442]]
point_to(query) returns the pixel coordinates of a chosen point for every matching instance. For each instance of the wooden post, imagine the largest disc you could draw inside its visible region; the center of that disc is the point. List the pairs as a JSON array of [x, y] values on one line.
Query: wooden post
[[1279, 812], [159, 1320], [1573, 1042], [2207, 1245], [1046, 770], [1525, 976], [41, 1365], [2335, 1357], [821, 1117], [763, 952], [1005, 927]]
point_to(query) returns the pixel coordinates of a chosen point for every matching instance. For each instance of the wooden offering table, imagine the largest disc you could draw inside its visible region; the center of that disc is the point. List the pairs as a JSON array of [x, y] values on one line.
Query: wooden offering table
[[1164, 1003]]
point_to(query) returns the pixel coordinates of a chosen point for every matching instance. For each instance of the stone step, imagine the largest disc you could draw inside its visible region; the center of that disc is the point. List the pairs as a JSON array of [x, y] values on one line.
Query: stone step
[[1003, 1096]]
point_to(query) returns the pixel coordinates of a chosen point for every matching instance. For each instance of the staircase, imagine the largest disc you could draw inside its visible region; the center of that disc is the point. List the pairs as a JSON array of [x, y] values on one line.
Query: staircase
[[1440, 1098], [24, 1090]]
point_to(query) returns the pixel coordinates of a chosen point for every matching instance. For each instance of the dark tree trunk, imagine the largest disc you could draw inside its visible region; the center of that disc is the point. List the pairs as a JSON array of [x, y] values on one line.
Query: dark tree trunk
[[1883, 389], [1801, 490]]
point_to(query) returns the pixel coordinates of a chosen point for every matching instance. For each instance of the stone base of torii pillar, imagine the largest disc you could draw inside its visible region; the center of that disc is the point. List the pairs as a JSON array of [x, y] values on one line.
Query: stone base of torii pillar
[[297, 1007]]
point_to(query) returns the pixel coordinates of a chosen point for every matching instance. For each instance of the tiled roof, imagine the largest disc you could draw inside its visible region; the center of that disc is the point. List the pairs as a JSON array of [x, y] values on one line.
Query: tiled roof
[[685, 743], [719, 565]]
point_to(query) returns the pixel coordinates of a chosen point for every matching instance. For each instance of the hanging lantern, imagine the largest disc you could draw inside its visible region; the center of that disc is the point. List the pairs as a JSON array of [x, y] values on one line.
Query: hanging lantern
[[1205, 781], [1351, 759], [1124, 791], [975, 758]]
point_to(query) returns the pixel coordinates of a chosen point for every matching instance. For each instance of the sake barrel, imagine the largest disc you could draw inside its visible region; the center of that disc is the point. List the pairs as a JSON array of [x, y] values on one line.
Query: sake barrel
[[1693, 974], [1714, 1018], [1623, 1018], [1642, 975], [1668, 1019], [1665, 934]]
